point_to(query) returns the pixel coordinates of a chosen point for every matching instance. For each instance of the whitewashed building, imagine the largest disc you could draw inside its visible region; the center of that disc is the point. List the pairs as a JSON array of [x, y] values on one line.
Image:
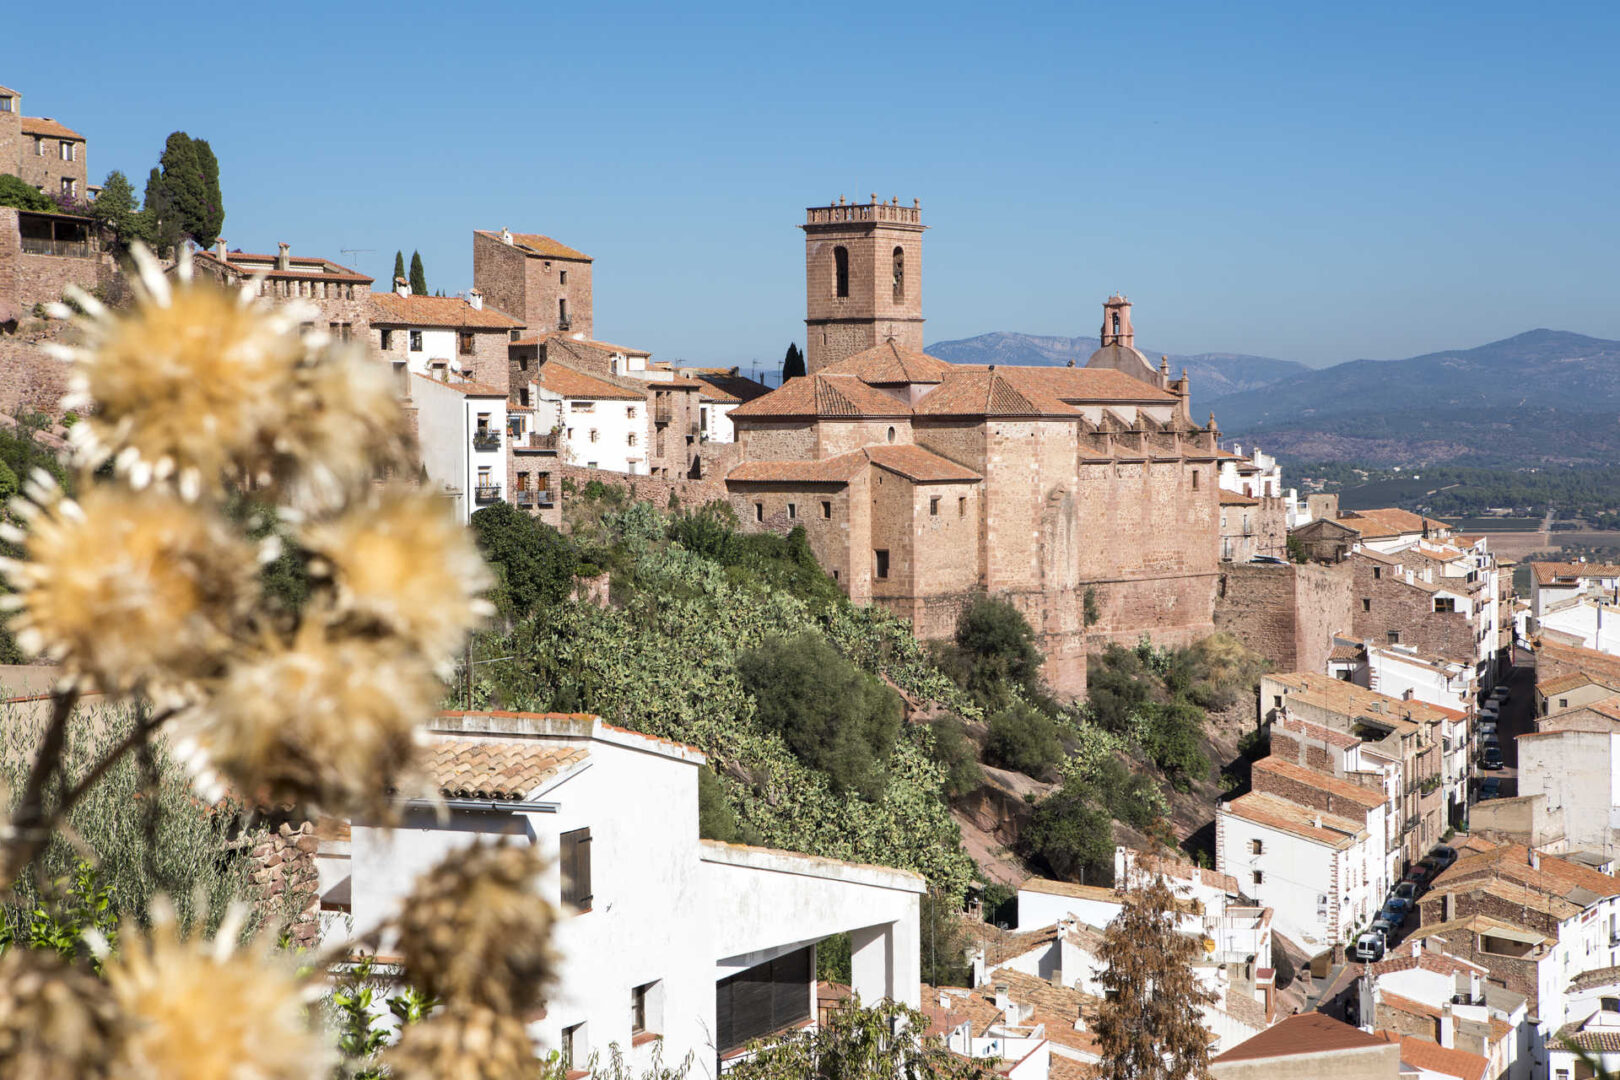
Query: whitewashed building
[[664, 939], [1552, 582], [597, 424], [460, 426]]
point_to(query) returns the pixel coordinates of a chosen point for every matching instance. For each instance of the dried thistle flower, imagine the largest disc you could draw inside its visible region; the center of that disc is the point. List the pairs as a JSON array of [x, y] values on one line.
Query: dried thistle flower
[[402, 565], [464, 1042], [476, 930], [57, 1021], [187, 386], [206, 1010], [130, 590], [320, 722]]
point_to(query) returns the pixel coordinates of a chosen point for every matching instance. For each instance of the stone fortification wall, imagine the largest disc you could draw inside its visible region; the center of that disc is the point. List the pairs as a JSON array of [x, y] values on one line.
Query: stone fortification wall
[[1288, 614]]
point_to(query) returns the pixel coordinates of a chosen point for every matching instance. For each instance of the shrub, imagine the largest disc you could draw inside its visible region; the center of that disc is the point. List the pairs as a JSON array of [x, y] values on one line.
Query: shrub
[[832, 715], [16, 192], [1171, 738], [954, 752], [535, 563], [999, 648], [716, 819], [1128, 796], [1072, 838], [1117, 686], [1024, 739]]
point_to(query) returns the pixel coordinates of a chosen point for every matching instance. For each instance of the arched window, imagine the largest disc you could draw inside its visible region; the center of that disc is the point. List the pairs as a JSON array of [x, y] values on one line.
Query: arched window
[[1116, 322], [899, 275], [891, 434], [841, 269]]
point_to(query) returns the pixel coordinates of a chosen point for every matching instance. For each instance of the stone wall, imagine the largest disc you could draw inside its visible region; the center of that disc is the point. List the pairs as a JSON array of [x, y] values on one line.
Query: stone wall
[[689, 494], [1288, 614], [288, 882], [527, 287], [1384, 603]]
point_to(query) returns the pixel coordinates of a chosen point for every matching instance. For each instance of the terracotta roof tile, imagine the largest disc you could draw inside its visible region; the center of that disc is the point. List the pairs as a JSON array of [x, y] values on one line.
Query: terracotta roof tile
[[1090, 385], [990, 393], [1389, 521], [1348, 699], [920, 465], [1432, 1057], [559, 378], [1573, 679], [44, 125], [1570, 881], [1598, 1040], [1305, 1033], [889, 364], [1591, 980], [726, 387], [463, 386], [556, 337], [1237, 498], [1426, 960], [833, 470], [541, 246], [1301, 821], [1548, 572], [823, 396], [388, 308], [1367, 798], [501, 771]]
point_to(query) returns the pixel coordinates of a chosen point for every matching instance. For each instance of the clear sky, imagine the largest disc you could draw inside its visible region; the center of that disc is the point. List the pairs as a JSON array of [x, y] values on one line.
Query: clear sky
[[1310, 181]]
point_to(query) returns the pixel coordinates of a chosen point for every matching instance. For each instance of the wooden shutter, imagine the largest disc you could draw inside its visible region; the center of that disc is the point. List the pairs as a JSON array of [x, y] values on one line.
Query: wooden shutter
[[575, 858]]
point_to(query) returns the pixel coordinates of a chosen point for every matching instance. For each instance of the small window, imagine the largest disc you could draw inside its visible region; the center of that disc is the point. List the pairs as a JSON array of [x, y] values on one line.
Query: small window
[[1276, 701], [759, 511], [891, 434], [464, 343], [68, 186], [39, 146], [933, 506], [646, 1003], [1259, 878], [899, 275], [793, 511], [416, 341], [1378, 573], [1445, 604], [576, 1051], [1195, 479], [841, 270], [1258, 847], [882, 557], [575, 861], [961, 506], [1394, 637], [595, 435], [1366, 604], [387, 340], [5, 103], [630, 412], [630, 439], [562, 277], [826, 509], [1563, 703]]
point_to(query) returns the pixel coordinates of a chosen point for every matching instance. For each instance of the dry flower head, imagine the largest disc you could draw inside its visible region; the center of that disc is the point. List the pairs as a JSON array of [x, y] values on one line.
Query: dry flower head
[[464, 1042], [57, 1022]]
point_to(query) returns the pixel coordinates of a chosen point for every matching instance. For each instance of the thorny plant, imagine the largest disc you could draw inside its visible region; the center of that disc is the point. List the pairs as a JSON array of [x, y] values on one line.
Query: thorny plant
[[146, 589]]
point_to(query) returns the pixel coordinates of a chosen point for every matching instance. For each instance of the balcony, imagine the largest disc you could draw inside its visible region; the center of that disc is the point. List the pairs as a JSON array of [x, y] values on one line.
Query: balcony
[[486, 440], [72, 249], [547, 443], [529, 497], [487, 493], [662, 411], [565, 323]]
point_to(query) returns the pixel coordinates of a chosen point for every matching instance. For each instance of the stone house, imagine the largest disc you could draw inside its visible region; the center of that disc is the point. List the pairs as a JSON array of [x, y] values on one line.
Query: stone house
[[1311, 1044], [1444, 1001], [41, 151], [723, 390], [340, 295], [540, 281]]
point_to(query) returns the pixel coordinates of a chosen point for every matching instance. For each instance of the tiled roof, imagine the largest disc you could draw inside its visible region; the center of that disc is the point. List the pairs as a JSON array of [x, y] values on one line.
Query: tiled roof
[[559, 378], [1348, 652], [1090, 385], [463, 386], [248, 263], [1001, 946], [1599, 717], [1348, 699], [556, 337], [1548, 572], [1301, 821], [1237, 498], [1098, 893], [889, 364], [823, 396], [1389, 521], [1591, 980], [833, 470], [449, 311], [726, 387], [503, 771], [923, 466], [1057, 1007], [1432, 1057], [1598, 1040], [1304, 1033], [44, 125], [1410, 1006], [989, 393], [1573, 679], [1576, 884], [1368, 798], [1426, 960], [1480, 924], [535, 244]]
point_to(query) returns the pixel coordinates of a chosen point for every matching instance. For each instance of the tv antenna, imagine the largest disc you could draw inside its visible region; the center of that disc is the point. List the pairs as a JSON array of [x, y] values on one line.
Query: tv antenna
[[357, 251]]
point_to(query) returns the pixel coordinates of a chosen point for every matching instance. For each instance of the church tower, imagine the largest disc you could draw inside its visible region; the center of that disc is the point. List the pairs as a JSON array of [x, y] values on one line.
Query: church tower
[[1116, 327], [863, 278]]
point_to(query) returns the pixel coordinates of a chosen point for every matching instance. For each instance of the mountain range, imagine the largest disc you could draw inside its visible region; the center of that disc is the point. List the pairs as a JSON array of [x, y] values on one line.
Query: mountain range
[[1541, 397]]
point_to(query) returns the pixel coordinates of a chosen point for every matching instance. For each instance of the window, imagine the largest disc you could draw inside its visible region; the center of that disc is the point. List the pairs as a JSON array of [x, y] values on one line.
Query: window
[[575, 1049], [882, 557], [5, 103], [767, 997], [67, 150], [483, 423], [646, 1008], [933, 506], [1378, 573], [523, 396], [1259, 878], [1563, 703], [1445, 604], [574, 857], [416, 341], [595, 434], [793, 511], [464, 343], [562, 312], [826, 509], [387, 340], [1366, 604], [70, 186], [1257, 847], [39, 146], [630, 439], [1276, 701], [899, 275], [961, 506], [841, 270], [630, 412], [891, 434], [562, 277], [759, 511], [1195, 479], [1116, 322], [703, 418], [1394, 637]]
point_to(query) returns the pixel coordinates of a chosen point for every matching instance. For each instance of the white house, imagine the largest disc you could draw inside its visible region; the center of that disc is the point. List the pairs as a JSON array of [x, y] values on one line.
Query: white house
[[723, 390], [1551, 582], [599, 425], [663, 937], [460, 426], [1573, 762], [1597, 1038], [1454, 999], [1400, 671], [1589, 621]]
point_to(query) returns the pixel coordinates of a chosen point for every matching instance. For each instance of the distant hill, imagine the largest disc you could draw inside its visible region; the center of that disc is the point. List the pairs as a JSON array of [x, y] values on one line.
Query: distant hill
[[1213, 375], [1545, 396]]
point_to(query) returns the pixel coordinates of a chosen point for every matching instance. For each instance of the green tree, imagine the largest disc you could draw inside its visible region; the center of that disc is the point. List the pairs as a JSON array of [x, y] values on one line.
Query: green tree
[[832, 715], [792, 363], [996, 649], [1149, 1025], [16, 193], [716, 819], [534, 562], [418, 275], [1171, 737], [954, 752], [399, 269], [212, 218], [185, 185], [162, 221], [1072, 838], [116, 209], [886, 1041], [1024, 739]]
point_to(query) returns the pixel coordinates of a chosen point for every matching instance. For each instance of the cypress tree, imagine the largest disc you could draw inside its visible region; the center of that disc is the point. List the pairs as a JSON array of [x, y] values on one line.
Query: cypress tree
[[399, 269], [161, 222], [418, 275], [185, 186], [213, 219], [792, 363]]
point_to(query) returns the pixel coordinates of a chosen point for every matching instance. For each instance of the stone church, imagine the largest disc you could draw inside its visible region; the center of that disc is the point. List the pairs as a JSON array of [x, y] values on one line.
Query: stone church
[[1086, 496]]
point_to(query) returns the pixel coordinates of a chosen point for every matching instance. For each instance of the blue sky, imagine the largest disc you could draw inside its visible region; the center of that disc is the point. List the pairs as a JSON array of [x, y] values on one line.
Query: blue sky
[[1308, 181]]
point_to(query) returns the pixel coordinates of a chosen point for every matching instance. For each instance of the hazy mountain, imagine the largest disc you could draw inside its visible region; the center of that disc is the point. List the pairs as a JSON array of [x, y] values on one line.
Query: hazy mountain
[[1213, 374]]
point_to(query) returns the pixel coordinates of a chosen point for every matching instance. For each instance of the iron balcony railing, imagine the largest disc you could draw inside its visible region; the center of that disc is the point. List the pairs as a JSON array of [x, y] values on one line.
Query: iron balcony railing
[[73, 249], [487, 493], [531, 497], [486, 440]]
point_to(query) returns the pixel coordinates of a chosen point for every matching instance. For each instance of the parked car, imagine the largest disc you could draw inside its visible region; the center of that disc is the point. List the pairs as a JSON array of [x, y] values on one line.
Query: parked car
[[1416, 876], [1394, 911], [1443, 855], [1487, 728], [1490, 789], [1384, 927], [1492, 757], [1499, 694], [1369, 947], [1405, 890], [1490, 712]]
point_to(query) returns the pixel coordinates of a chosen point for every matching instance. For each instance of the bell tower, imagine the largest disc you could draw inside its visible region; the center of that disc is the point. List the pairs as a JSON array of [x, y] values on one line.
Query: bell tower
[[863, 278], [1116, 327]]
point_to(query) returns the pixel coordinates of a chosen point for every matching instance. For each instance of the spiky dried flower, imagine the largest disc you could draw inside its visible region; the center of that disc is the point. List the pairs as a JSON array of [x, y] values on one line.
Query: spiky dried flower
[[476, 929], [187, 387], [322, 722], [57, 1021], [130, 590], [400, 564], [464, 1042], [206, 1010]]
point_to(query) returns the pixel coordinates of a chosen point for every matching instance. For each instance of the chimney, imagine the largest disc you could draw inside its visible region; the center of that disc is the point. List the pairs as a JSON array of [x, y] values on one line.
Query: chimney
[[476, 299], [402, 287], [1406, 695], [1003, 1002], [944, 1001], [1080, 1018], [1535, 859], [1316, 822], [1417, 949], [506, 235], [220, 249], [283, 259]]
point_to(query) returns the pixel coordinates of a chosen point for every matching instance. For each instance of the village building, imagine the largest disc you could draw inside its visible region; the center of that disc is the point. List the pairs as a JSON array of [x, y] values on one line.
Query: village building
[[664, 941], [41, 151], [1553, 582], [1446, 1002], [1569, 782], [1310, 1044], [1575, 689], [723, 390], [1087, 497], [340, 296], [539, 281]]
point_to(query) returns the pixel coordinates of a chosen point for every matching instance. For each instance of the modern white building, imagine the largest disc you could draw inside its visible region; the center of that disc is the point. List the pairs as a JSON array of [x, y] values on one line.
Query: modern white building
[[597, 424], [1573, 763], [723, 390], [1552, 582], [1589, 621], [460, 426], [664, 938]]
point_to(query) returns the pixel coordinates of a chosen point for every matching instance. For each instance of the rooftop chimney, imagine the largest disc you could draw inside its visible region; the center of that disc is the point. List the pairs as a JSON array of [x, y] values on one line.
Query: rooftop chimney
[[1003, 1002], [1080, 1018], [1417, 948], [1535, 859], [402, 287], [283, 259], [945, 1001], [506, 235], [220, 249], [476, 299]]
